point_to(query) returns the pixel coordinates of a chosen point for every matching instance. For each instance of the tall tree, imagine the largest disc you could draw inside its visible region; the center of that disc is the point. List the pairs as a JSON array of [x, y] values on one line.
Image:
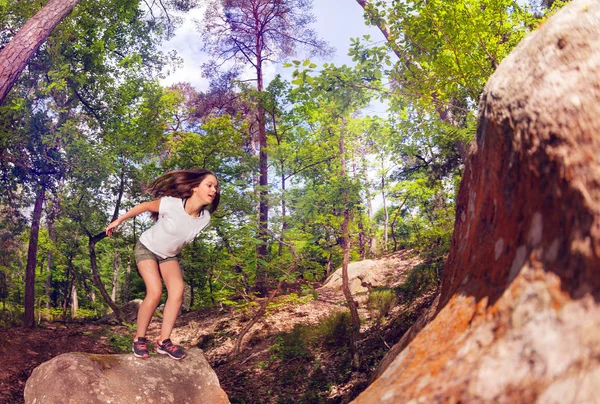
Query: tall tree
[[256, 32], [15, 55], [331, 98]]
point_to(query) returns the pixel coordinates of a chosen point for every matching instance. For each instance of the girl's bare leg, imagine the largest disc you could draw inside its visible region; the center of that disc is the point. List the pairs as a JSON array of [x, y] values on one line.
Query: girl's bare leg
[[173, 277], [150, 274]]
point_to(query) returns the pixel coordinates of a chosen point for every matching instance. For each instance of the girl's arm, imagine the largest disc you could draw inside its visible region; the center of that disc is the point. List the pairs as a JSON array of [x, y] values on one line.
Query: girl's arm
[[136, 210]]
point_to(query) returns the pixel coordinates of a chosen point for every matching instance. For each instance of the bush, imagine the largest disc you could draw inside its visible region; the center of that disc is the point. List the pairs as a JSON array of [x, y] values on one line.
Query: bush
[[120, 343], [380, 302], [335, 330], [422, 279], [292, 345]]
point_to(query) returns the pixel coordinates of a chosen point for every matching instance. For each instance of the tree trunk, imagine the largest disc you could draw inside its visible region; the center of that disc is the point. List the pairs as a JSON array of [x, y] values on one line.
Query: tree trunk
[[74, 299], [192, 292], [284, 224], [352, 305], [29, 317], [263, 210], [263, 307], [386, 214], [51, 215], [92, 249], [369, 203], [96, 275], [68, 289], [15, 55], [361, 227], [115, 279], [127, 286]]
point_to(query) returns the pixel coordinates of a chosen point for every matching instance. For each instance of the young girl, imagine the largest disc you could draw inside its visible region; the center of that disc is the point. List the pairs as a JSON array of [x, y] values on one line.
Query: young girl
[[187, 198]]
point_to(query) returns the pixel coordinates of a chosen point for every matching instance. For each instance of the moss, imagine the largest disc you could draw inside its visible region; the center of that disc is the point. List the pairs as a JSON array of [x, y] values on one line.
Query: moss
[[105, 361]]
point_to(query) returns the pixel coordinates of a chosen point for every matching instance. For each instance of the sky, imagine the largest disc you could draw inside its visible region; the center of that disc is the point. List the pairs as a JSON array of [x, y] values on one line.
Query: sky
[[337, 22]]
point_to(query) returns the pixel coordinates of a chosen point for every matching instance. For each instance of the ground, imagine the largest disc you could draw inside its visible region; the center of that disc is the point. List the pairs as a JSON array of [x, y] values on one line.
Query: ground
[[280, 361]]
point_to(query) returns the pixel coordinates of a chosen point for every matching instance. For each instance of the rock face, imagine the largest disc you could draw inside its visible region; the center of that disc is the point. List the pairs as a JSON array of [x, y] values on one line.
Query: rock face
[[89, 378], [519, 317]]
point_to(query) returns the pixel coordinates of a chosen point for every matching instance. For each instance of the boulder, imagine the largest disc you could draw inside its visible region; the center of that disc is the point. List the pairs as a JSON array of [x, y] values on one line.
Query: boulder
[[129, 312], [518, 318], [359, 274], [88, 378]]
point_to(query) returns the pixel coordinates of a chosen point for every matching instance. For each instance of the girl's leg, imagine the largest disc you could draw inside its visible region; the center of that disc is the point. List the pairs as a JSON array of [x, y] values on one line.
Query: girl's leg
[[151, 276], [173, 277]]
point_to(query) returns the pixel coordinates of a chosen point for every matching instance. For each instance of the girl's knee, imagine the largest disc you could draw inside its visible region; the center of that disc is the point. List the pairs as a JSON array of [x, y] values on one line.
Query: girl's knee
[[175, 297], [153, 297]]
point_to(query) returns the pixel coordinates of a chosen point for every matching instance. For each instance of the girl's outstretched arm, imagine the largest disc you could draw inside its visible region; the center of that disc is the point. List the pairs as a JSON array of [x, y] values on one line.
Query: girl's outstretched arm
[[136, 210]]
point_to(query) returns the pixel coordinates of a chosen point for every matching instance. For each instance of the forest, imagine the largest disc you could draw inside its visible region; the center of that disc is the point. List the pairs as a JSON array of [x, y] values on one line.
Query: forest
[[310, 179]]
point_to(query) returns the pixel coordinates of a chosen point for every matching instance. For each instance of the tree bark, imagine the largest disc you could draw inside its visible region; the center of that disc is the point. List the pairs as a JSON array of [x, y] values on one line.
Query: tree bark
[[15, 55], [29, 306]]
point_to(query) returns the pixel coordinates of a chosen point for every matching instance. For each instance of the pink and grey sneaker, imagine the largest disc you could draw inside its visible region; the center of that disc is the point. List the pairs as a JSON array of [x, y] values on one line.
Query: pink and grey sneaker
[[166, 347], [140, 350]]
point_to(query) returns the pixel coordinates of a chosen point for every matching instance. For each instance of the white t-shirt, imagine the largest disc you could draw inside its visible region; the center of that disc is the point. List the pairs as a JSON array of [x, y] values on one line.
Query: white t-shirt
[[174, 229]]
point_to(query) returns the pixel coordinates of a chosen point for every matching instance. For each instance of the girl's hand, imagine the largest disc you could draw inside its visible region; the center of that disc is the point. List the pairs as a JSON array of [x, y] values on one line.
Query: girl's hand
[[111, 227]]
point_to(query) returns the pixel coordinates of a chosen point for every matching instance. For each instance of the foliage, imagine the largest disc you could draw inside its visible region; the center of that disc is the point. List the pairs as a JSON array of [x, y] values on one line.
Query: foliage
[[334, 331], [286, 301], [422, 280], [91, 122], [294, 344], [120, 343], [380, 302]]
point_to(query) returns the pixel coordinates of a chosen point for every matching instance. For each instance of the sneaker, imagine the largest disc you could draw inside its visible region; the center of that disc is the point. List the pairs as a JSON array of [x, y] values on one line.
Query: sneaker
[[140, 350], [166, 347]]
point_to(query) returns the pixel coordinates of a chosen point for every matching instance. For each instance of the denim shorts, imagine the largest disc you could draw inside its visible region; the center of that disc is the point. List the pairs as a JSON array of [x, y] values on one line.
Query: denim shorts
[[142, 253]]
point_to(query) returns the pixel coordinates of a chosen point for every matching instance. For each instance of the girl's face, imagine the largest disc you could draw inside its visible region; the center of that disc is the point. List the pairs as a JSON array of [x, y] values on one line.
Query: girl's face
[[207, 189]]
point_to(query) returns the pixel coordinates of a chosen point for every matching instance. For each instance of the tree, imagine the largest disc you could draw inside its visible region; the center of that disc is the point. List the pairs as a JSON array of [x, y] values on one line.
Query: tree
[[256, 32], [15, 55], [330, 99], [446, 51], [24, 45], [89, 93]]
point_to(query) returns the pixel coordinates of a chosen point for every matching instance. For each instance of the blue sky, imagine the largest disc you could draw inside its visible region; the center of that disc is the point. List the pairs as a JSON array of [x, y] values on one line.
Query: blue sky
[[337, 22]]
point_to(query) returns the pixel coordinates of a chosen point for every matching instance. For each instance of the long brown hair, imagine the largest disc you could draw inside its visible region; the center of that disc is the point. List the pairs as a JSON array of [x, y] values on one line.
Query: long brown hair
[[179, 184]]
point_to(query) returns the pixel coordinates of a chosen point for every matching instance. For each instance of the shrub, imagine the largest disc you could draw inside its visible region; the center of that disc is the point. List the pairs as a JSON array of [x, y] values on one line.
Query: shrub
[[335, 330], [422, 279], [120, 343], [292, 345], [380, 302]]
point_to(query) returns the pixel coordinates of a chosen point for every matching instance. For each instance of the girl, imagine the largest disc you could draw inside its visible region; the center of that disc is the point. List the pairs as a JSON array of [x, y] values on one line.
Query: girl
[[187, 198]]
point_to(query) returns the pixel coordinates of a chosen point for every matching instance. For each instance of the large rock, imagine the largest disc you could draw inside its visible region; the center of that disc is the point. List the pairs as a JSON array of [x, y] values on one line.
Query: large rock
[[359, 276], [129, 312], [88, 378], [519, 318]]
